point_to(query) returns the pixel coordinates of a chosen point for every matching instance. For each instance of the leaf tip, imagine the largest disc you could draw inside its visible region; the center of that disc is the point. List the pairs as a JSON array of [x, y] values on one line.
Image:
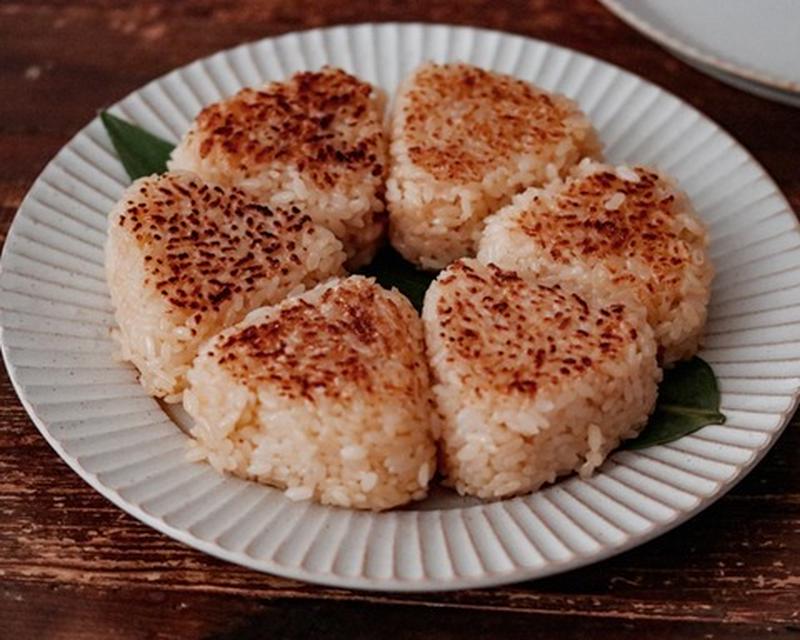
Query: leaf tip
[[108, 119]]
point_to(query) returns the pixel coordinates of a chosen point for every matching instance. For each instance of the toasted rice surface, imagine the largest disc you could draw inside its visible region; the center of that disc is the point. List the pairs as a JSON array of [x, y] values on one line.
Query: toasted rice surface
[[316, 140], [185, 257], [464, 140], [325, 395], [532, 379], [544, 352], [630, 228]]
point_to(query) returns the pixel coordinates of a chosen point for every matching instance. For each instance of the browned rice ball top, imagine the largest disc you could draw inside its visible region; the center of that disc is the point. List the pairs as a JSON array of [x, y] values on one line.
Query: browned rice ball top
[[310, 122], [580, 226], [462, 122], [522, 337], [337, 347], [204, 244]]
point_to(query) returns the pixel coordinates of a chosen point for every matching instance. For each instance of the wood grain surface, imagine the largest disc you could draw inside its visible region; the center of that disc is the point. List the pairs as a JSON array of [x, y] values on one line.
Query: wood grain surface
[[74, 566]]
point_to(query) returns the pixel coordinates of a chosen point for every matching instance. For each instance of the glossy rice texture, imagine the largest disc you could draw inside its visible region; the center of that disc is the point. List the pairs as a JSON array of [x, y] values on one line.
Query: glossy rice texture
[[186, 258], [629, 230], [316, 141], [464, 141], [532, 380], [325, 395]]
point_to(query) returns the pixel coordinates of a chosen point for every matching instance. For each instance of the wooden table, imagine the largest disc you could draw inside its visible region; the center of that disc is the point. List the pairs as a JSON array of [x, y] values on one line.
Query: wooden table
[[74, 566]]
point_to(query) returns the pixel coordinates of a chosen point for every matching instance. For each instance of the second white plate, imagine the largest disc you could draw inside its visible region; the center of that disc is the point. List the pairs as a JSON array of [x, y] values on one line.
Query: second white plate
[[754, 46]]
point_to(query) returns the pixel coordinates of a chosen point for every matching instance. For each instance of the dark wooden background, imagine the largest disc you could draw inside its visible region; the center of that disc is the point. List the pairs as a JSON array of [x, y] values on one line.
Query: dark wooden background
[[74, 566]]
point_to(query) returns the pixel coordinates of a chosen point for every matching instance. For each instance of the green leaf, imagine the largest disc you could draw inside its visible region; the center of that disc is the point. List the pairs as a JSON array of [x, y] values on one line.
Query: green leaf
[[688, 398], [141, 153], [390, 269]]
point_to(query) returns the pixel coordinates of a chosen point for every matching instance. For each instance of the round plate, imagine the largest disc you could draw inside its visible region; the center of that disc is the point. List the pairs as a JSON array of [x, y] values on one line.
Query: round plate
[[756, 43], [56, 317]]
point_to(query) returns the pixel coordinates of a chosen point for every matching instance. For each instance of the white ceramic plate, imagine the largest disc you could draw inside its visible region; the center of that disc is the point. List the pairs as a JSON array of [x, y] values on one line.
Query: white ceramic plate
[[752, 44], [56, 318]]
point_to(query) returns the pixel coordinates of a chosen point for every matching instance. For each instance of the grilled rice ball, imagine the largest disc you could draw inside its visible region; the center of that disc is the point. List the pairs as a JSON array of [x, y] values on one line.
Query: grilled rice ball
[[532, 380], [316, 141], [464, 141], [325, 395], [622, 228], [186, 258]]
